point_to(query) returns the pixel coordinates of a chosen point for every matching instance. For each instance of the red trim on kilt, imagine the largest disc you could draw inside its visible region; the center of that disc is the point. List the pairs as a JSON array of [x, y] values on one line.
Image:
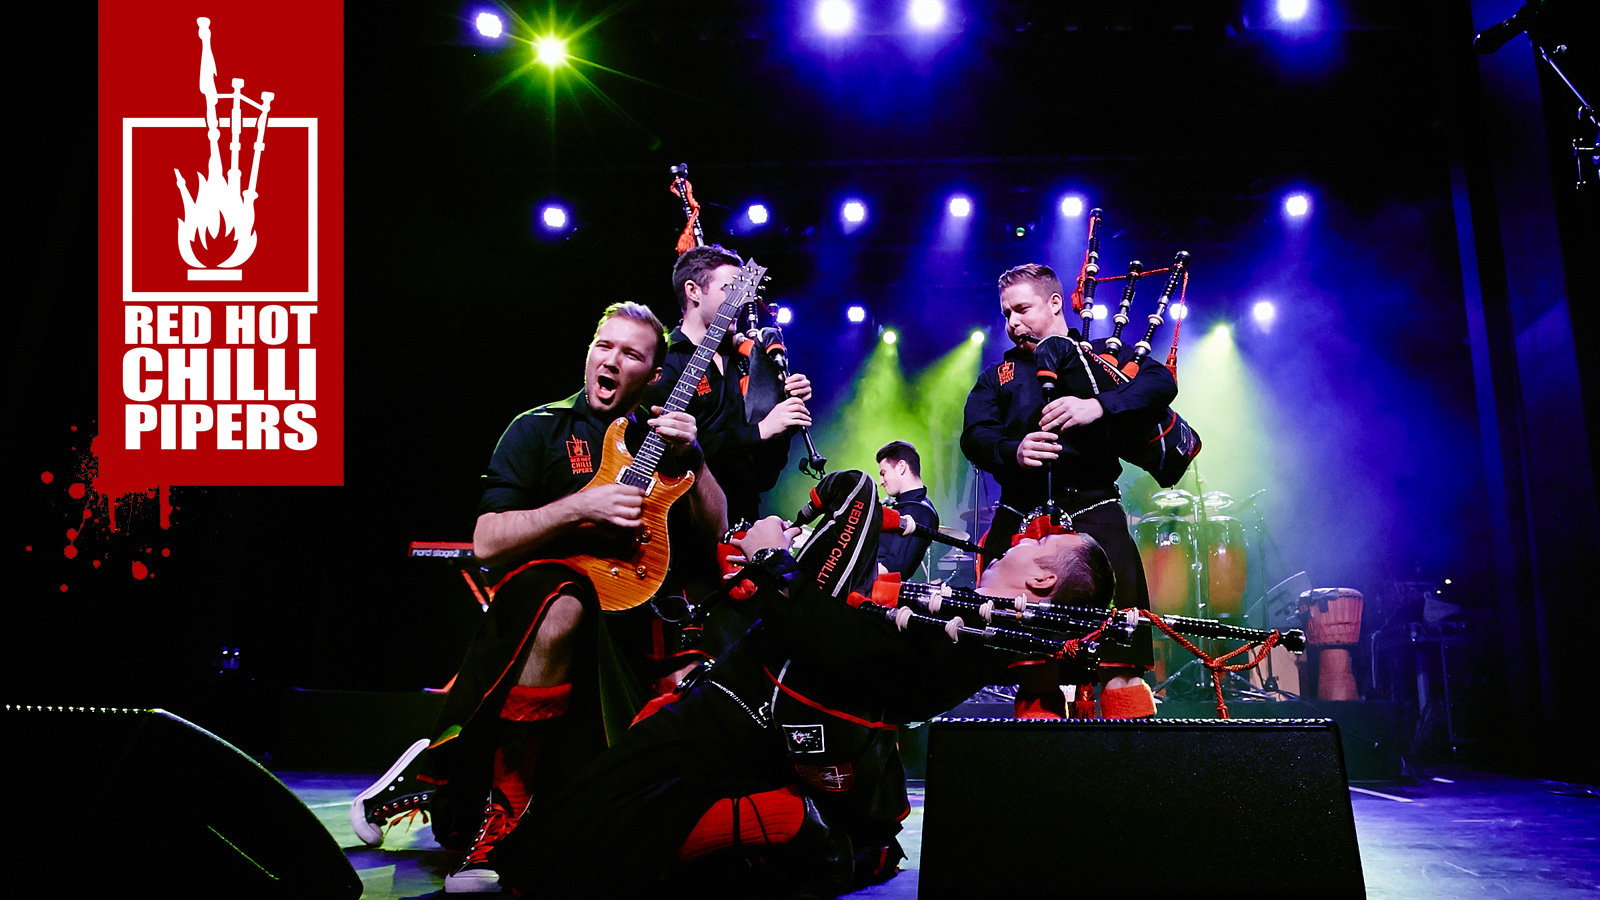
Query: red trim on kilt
[[818, 706]]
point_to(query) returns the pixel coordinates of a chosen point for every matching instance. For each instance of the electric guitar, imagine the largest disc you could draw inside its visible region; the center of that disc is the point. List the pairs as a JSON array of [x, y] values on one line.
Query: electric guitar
[[628, 570]]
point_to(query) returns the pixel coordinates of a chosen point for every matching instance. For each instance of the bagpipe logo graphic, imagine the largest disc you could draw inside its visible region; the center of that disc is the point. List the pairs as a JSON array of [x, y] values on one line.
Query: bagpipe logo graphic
[[222, 215], [221, 357], [219, 208]]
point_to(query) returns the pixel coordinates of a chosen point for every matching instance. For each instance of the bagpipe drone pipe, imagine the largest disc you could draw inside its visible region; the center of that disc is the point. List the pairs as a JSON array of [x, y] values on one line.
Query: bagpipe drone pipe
[[1160, 442], [761, 353], [916, 650]]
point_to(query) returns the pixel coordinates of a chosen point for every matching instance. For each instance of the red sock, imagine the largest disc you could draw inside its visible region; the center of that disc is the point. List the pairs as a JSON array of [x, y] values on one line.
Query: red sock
[[770, 817], [513, 770], [530, 704], [1132, 702]]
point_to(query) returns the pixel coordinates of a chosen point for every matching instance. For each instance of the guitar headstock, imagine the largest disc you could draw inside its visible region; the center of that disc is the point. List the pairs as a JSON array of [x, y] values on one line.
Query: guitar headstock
[[743, 289]]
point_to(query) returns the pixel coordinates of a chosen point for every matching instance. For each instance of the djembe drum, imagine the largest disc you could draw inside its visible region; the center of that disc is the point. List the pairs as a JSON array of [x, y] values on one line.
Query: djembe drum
[[1333, 626]]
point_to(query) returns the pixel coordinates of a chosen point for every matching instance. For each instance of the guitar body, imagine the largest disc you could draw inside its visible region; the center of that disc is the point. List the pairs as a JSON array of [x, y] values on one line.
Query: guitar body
[[628, 568]]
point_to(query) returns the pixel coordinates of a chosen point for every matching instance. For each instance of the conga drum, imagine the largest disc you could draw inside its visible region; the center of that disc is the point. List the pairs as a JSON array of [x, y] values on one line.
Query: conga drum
[[1227, 564], [1167, 556], [1333, 626]]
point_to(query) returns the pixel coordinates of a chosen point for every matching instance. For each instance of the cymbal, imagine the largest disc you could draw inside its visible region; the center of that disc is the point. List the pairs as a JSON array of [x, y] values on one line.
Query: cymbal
[[956, 533], [1217, 500], [976, 516], [1172, 498]]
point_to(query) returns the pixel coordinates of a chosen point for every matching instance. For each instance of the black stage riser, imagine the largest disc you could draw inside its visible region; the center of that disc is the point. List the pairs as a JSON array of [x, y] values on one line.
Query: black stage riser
[[114, 795], [1137, 809]]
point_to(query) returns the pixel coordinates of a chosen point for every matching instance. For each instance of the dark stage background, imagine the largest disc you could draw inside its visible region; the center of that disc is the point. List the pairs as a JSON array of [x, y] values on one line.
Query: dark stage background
[[1415, 415]]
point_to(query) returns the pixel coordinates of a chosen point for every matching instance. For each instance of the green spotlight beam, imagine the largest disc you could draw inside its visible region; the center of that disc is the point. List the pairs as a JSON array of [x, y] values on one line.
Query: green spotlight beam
[[941, 398], [882, 406]]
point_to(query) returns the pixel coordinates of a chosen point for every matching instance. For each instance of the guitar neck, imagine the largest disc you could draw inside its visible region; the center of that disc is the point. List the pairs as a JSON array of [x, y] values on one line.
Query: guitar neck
[[654, 448]]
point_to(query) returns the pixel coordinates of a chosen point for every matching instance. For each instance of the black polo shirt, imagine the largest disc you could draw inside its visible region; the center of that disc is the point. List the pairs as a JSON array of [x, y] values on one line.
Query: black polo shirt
[[1004, 407], [897, 552]]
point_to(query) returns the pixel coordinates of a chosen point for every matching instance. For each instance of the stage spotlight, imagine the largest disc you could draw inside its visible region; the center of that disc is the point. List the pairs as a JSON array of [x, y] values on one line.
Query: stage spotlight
[[1180, 311], [856, 314], [1293, 10], [489, 25], [785, 315], [854, 212], [757, 214], [977, 336], [550, 51], [927, 14], [553, 217], [1297, 205], [835, 16], [1264, 312], [960, 207], [889, 336], [1072, 207], [1020, 231]]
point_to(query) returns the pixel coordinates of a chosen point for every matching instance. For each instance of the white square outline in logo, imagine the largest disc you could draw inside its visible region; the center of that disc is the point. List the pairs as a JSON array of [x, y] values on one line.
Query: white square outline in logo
[[129, 295]]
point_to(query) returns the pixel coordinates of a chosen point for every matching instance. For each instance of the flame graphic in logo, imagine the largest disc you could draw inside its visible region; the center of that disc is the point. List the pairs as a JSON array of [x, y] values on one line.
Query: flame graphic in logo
[[219, 206]]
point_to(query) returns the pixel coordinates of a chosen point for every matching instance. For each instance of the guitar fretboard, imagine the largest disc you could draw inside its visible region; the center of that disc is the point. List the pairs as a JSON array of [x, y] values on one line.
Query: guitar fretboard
[[654, 448]]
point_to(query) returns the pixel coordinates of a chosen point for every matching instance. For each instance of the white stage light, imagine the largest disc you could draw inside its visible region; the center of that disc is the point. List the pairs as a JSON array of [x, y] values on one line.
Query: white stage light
[[835, 16]]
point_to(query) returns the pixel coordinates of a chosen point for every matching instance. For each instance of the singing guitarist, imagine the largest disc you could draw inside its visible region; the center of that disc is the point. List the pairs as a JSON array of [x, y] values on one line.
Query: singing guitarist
[[524, 709]]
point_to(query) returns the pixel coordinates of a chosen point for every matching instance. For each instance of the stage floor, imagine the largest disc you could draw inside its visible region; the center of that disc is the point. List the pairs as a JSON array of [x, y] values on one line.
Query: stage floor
[[1450, 833]]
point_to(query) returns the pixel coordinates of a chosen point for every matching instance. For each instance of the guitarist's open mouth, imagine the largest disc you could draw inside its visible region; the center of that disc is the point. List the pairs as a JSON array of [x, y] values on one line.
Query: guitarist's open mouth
[[605, 389]]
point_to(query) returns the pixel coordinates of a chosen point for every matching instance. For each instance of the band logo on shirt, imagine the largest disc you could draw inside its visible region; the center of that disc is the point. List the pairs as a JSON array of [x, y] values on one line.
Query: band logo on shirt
[[704, 387], [1007, 370], [578, 455], [805, 738]]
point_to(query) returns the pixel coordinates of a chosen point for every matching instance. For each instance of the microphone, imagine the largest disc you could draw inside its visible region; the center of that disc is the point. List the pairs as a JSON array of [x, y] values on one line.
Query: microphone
[[1499, 34]]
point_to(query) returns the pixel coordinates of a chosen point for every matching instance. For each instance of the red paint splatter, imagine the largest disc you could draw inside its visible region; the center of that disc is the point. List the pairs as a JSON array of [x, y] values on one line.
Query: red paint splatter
[[166, 551], [72, 534], [63, 589], [166, 508], [139, 570], [47, 477], [74, 428], [76, 491], [87, 512], [69, 551], [97, 564]]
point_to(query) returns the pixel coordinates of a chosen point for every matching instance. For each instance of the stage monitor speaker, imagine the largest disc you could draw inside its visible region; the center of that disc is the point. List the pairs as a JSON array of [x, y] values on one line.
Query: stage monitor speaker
[[142, 801], [1137, 808]]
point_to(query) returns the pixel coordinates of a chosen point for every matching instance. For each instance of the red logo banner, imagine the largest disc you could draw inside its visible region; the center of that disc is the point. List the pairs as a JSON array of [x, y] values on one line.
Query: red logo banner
[[221, 295]]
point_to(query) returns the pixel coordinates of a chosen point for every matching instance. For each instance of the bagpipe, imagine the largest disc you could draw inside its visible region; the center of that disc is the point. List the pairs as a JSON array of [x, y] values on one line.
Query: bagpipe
[[762, 373], [1165, 445], [839, 559]]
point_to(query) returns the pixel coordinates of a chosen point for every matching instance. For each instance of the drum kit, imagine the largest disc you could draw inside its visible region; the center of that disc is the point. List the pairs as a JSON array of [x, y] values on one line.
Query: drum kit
[[1195, 562], [957, 567]]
